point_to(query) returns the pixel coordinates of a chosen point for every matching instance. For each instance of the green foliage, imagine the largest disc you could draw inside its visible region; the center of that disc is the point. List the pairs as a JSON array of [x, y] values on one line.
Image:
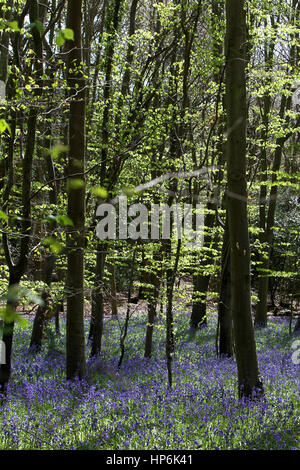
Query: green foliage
[[54, 245], [3, 216], [13, 25], [99, 192], [15, 295], [64, 35], [4, 126], [57, 150], [74, 183]]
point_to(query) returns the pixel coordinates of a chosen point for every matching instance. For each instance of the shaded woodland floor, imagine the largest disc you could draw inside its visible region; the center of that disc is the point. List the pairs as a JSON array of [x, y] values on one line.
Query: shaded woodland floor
[[133, 408]]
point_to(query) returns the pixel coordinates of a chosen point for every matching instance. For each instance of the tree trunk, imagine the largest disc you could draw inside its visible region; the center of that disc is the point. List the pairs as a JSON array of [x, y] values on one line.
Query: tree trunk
[[17, 270], [127, 317], [96, 325], [267, 237], [267, 220], [97, 316], [38, 325], [75, 346], [152, 304], [170, 276], [198, 317], [113, 291], [201, 281], [7, 337], [224, 307], [47, 272], [249, 381], [297, 325]]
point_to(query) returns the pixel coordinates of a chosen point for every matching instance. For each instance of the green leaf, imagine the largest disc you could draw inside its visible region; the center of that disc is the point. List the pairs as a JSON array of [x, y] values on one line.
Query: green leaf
[[68, 34], [64, 220], [14, 26], [4, 126], [60, 40], [8, 314], [57, 150], [3, 216], [74, 183], [54, 245], [63, 36], [99, 192]]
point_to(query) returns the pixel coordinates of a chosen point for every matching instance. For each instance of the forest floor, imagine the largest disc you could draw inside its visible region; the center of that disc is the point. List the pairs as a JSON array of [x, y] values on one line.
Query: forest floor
[[134, 409]]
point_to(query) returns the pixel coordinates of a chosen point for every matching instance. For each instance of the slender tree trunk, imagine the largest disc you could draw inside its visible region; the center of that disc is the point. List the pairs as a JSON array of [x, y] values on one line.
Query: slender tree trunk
[[261, 310], [17, 270], [198, 317], [144, 278], [125, 327], [149, 330], [171, 276], [7, 337], [113, 290], [224, 307], [38, 324], [297, 325], [249, 380], [48, 262], [76, 197], [96, 325], [201, 281], [152, 304], [58, 309], [97, 315], [269, 218], [267, 235]]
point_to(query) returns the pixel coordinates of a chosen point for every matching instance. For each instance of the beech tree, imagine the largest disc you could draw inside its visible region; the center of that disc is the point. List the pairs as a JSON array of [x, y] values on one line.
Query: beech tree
[[17, 267], [236, 119], [76, 195], [146, 100]]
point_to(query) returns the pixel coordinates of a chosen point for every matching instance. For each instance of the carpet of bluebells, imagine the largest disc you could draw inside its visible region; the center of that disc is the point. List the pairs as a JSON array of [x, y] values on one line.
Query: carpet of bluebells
[[133, 408]]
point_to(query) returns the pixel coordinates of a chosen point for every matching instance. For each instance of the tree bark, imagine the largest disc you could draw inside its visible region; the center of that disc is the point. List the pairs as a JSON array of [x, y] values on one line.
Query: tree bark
[[152, 304], [38, 325], [267, 235], [75, 346], [224, 307], [17, 270], [198, 317], [113, 290], [96, 325], [249, 381], [97, 315], [297, 325], [7, 337]]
